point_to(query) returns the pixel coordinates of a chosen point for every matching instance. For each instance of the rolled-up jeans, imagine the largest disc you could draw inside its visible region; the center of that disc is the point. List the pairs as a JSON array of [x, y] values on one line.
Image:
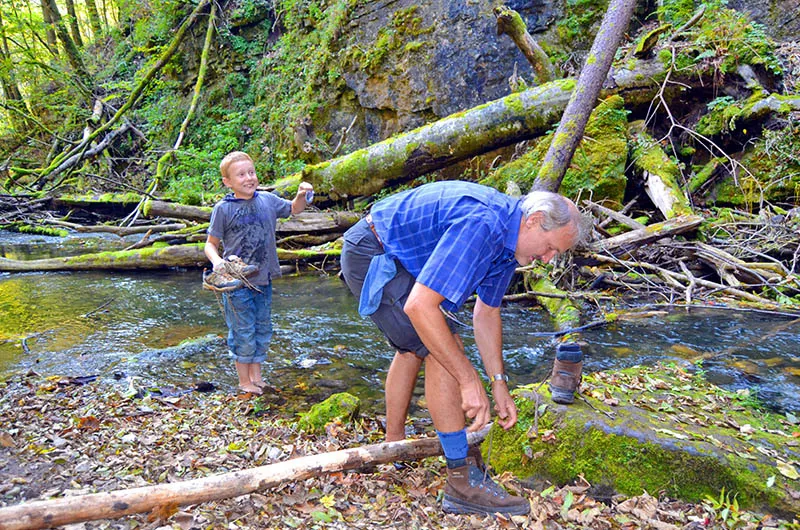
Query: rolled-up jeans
[[248, 314]]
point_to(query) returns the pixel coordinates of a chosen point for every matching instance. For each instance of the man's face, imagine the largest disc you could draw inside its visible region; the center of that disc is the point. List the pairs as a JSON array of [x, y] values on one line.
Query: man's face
[[241, 179], [534, 243]]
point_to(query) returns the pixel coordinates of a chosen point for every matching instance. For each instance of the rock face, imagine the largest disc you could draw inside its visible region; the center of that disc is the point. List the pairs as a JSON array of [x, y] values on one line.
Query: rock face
[[423, 61], [781, 18], [655, 429]]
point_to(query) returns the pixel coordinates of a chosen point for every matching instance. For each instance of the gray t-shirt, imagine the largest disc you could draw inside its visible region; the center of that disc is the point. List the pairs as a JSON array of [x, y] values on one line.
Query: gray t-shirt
[[247, 229]]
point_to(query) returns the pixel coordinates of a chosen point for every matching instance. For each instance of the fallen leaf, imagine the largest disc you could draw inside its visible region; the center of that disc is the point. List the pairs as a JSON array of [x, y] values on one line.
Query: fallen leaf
[[788, 470]]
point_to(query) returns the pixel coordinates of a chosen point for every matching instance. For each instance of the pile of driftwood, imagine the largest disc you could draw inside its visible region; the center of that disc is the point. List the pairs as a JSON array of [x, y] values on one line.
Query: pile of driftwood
[[739, 258], [172, 236]]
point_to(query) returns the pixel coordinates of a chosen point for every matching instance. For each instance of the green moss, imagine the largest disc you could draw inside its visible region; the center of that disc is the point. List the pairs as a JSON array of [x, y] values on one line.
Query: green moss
[[722, 40], [598, 163], [25, 228], [637, 433], [773, 171], [341, 407]]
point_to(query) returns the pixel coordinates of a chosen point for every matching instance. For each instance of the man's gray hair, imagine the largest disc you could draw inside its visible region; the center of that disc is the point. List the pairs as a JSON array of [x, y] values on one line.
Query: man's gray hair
[[555, 209]]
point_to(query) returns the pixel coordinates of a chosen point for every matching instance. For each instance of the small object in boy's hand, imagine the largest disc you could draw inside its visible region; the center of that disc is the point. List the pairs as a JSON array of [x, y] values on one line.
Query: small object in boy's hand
[[309, 196]]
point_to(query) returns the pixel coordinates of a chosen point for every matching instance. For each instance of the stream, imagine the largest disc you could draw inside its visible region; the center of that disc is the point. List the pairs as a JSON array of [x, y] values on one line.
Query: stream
[[160, 330]]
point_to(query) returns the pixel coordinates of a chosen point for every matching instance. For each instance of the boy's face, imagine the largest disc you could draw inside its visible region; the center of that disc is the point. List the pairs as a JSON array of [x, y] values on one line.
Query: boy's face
[[241, 179]]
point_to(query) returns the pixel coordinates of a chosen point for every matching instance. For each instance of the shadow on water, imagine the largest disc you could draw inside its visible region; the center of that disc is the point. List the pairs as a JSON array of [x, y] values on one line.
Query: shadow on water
[[123, 325]]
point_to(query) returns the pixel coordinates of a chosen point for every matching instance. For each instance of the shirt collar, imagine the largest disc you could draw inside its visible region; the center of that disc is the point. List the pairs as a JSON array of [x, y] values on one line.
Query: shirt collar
[[513, 228], [230, 197]]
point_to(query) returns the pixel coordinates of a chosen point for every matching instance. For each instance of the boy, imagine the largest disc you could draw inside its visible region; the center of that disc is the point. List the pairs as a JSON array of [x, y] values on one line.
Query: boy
[[245, 221]]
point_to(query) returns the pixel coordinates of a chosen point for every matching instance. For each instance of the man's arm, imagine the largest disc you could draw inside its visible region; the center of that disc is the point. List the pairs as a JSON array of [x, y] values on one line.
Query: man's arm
[[422, 308], [489, 339]]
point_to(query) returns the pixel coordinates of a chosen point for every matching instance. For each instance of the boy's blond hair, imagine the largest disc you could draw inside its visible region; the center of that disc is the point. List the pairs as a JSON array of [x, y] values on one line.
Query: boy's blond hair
[[230, 158]]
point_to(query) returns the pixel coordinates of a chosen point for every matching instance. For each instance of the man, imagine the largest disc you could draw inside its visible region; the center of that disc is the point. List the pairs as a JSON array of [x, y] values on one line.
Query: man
[[434, 246]]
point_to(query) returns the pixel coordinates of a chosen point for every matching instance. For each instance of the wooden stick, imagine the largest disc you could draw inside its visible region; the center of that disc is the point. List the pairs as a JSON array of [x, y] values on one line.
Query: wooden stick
[[114, 504]]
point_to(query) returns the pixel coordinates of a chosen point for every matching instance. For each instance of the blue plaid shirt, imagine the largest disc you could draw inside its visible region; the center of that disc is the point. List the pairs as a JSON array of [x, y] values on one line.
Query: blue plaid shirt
[[456, 238]]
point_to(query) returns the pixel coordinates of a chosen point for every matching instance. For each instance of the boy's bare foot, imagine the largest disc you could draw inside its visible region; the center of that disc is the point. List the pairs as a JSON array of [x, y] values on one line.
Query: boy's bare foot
[[250, 388]]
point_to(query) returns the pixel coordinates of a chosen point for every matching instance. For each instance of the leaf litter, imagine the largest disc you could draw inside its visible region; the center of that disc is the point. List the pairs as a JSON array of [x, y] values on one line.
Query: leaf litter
[[59, 440]]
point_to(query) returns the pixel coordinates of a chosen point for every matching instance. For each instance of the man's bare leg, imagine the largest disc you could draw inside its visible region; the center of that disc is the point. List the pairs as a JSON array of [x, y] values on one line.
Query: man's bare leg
[[443, 396], [400, 383]]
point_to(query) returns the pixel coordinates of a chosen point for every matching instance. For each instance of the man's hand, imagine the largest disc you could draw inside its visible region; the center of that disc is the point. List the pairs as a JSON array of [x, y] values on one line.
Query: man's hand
[[475, 404], [504, 405]]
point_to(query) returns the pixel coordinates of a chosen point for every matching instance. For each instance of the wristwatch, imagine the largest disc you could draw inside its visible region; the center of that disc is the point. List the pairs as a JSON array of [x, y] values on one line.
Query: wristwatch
[[500, 377]]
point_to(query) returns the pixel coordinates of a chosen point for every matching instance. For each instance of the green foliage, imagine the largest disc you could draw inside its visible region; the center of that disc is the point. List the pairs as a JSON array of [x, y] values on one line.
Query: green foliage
[[577, 28], [724, 39], [724, 511], [294, 78]]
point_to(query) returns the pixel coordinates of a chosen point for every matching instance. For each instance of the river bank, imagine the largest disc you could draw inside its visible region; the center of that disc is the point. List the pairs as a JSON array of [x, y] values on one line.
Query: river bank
[[62, 439]]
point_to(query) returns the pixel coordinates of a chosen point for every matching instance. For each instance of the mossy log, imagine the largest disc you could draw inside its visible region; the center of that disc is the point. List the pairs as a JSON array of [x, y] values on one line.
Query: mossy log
[[660, 174], [510, 23], [507, 121], [653, 232], [700, 440], [115, 504], [163, 257], [576, 115], [306, 222]]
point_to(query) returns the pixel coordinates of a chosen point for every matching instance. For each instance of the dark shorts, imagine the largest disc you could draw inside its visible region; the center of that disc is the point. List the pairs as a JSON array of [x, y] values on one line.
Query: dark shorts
[[360, 245]]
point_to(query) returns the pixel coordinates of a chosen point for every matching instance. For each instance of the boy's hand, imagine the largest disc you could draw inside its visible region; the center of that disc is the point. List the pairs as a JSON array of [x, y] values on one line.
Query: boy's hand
[[220, 267], [306, 190]]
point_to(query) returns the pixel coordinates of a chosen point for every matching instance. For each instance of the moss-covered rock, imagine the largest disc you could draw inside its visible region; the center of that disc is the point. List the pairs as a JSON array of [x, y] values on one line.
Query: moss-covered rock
[[657, 429], [771, 172], [598, 165], [342, 407]]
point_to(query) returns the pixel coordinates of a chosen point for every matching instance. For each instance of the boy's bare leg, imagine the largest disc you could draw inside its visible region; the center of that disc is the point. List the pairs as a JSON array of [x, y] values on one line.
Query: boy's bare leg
[[400, 383], [255, 375], [243, 371]]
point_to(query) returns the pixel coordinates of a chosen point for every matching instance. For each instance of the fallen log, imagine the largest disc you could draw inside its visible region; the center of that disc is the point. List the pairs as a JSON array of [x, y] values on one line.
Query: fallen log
[[121, 231], [114, 504], [643, 236], [189, 255], [305, 222], [506, 121]]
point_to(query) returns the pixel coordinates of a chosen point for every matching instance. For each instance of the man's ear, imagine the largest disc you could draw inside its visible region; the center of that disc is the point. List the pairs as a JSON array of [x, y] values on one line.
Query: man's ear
[[533, 220]]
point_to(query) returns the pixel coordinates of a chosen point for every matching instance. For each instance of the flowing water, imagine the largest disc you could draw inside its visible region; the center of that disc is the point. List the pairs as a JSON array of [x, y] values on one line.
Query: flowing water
[[131, 327]]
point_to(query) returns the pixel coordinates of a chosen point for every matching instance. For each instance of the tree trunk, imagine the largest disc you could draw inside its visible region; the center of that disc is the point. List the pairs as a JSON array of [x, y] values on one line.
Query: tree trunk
[[50, 32], [135, 94], [18, 111], [512, 119], [73, 23], [595, 70], [115, 504], [94, 20], [72, 51], [149, 258], [510, 23]]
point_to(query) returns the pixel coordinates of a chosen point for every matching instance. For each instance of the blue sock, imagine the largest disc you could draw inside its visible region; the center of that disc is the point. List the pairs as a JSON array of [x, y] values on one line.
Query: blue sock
[[569, 352], [455, 447]]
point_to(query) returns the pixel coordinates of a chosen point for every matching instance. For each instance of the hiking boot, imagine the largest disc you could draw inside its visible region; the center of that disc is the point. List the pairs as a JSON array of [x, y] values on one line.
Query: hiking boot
[[470, 490], [221, 282], [566, 376]]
